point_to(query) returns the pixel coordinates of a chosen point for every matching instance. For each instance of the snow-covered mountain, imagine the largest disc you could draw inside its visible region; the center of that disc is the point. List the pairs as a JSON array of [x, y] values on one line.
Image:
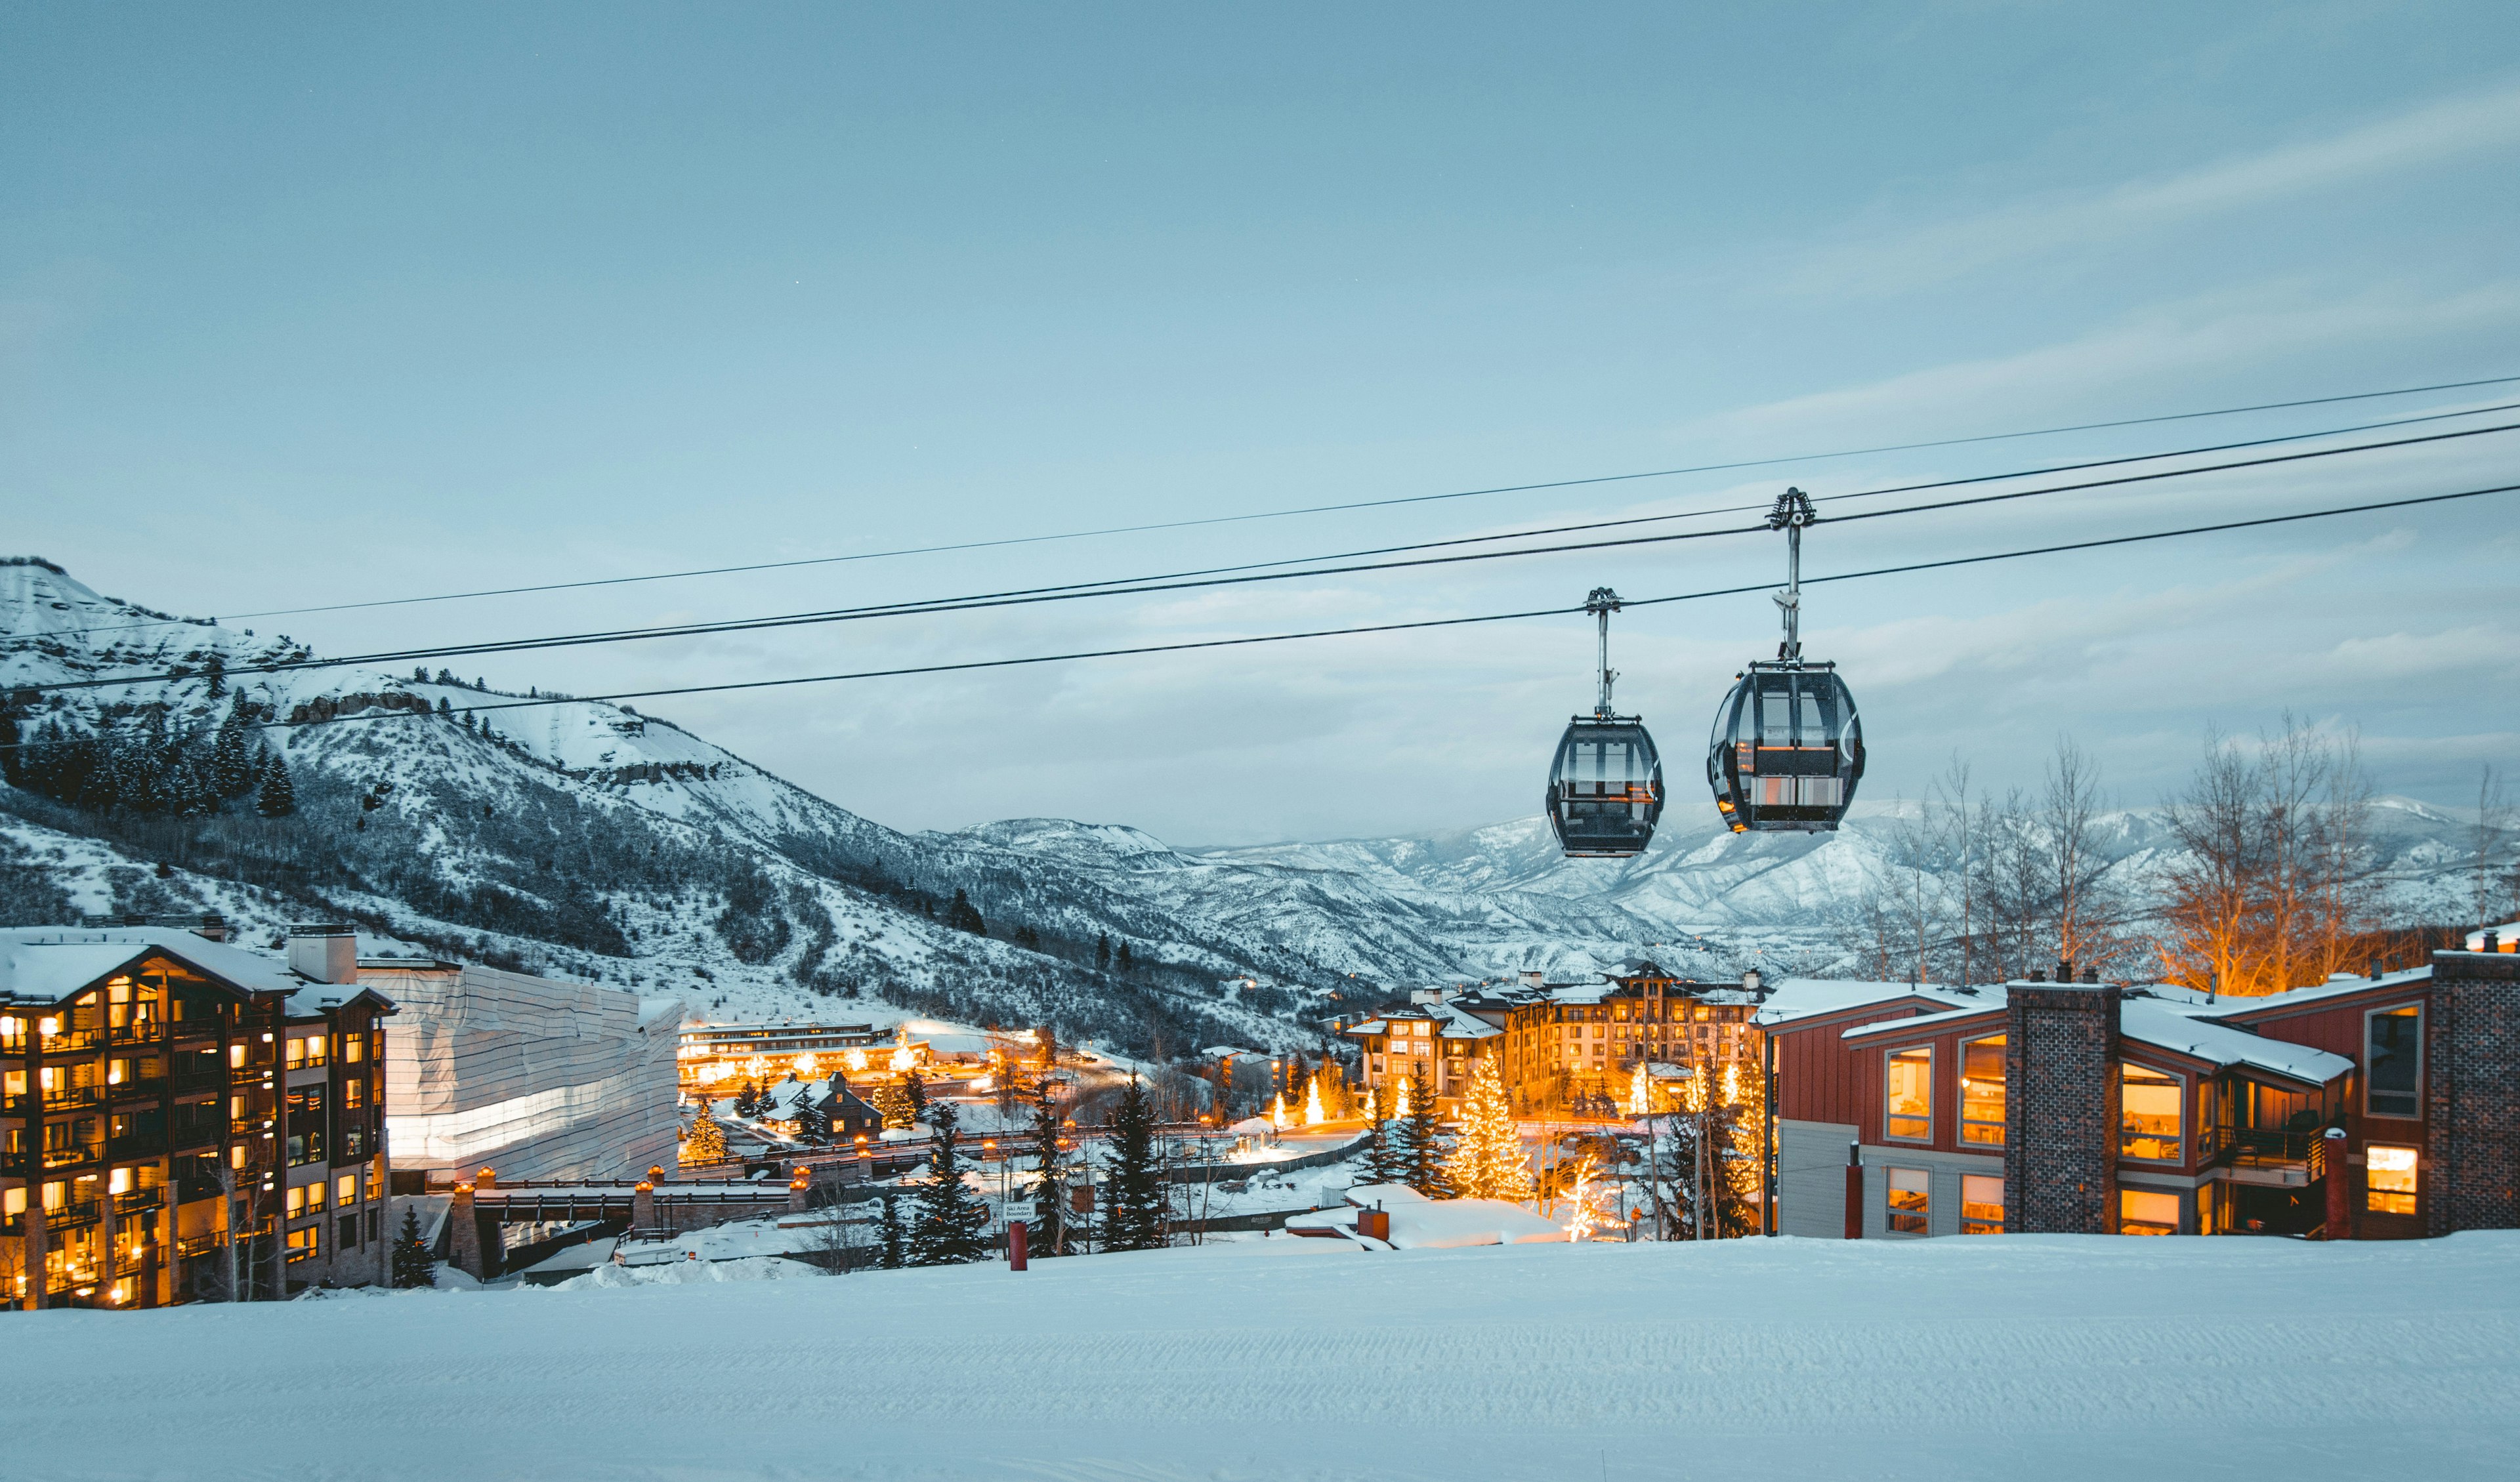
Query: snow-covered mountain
[[587, 839]]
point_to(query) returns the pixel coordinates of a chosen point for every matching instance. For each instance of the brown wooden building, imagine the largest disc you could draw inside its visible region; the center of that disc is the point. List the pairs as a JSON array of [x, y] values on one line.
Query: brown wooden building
[[183, 1120]]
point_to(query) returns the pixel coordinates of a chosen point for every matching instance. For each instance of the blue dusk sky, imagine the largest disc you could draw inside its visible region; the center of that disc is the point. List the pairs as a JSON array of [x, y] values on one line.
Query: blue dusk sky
[[314, 305]]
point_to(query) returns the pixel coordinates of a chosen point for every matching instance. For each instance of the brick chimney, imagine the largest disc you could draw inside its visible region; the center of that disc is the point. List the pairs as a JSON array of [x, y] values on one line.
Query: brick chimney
[[2060, 1109], [327, 953]]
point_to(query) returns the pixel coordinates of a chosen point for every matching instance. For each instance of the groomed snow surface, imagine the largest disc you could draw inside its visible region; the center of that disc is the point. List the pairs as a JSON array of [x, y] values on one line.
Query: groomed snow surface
[[2039, 1357]]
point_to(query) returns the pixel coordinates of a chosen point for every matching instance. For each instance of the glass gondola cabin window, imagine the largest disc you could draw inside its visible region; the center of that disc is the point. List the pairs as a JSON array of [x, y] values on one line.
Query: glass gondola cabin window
[[1909, 1082], [2150, 1124], [2394, 1057]]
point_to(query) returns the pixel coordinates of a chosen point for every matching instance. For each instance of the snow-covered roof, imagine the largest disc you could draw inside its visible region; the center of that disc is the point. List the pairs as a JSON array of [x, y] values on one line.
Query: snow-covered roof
[[2166, 1027], [2227, 1006], [1460, 1025], [1802, 997], [49, 963], [2507, 937], [1929, 1022]]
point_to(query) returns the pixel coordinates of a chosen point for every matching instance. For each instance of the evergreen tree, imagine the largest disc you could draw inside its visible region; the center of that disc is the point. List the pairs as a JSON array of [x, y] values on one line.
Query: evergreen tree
[[1050, 1195], [278, 797], [962, 916], [1385, 1157], [233, 765], [1487, 1160], [217, 673], [412, 1265], [747, 1102], [1122, 961], [892, 1103], [891, 1254], [707, 1141], [1135, 1200], [1425, 1145], [1101, 952], [917, 1090], [951, 1225]]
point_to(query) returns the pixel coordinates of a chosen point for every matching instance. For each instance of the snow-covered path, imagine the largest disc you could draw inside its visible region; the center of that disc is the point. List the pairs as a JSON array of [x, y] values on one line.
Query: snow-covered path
[[2042, 1357]]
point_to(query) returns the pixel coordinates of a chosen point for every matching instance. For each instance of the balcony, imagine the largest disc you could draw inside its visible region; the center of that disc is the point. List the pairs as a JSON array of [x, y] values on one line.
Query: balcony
[[139, 1201], [210, 1079], [72, 1041], [72, 1212], [75, 1154], [72, 1098], [150, 1087], [197, 1247], [2256, 1156]]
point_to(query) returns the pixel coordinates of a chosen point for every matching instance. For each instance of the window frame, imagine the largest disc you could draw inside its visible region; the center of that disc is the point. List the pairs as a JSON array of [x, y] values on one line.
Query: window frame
[[2180, 1081], [2412, 1193], [2003, 1094], [1971, 1226], [1890, 1118], [2410, 1011], [1892, 1213]]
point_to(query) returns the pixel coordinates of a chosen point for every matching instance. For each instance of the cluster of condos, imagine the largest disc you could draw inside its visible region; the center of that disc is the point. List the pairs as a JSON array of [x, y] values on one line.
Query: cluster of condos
[[185, 1120], [2384, 1106]]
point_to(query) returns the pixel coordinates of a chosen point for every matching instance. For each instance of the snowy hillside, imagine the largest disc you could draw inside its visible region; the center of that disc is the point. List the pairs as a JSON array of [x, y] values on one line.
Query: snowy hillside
[[590, 839]]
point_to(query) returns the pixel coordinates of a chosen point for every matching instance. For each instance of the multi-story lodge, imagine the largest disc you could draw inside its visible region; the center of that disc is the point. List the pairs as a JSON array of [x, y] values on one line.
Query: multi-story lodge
[[719, 1055], [1564, 1046], [184, 1119], [2375, 1107]]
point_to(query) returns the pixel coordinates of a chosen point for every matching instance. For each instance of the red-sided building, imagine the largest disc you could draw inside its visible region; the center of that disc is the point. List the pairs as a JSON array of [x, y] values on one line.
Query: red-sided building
[[2381, 1107]]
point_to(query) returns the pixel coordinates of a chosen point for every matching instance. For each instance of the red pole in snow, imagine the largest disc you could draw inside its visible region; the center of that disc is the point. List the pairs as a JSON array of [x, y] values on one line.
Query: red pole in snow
[[1016, 1245]]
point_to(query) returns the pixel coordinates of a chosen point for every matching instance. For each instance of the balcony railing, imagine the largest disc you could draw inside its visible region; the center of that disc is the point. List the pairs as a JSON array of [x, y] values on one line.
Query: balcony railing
[[139, 1201], [201, 1080], [2254, 1146], [71, 1212], [197, 1247], [151, 1085], [71, 1098], [70, 1040], [76, 1152]]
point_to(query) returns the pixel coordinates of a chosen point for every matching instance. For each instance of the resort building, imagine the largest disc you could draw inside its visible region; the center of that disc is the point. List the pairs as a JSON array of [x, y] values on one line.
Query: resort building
[[185, 1120], [2364, 1108], [532, 1077], [722, 1056]]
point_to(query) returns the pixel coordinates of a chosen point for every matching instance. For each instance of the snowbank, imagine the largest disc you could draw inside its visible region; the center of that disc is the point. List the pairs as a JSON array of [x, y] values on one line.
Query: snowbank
[[2062, 1359]]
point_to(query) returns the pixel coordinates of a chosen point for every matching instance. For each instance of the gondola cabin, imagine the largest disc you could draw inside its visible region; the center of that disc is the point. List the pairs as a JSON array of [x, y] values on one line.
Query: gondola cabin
[[1787, 751]]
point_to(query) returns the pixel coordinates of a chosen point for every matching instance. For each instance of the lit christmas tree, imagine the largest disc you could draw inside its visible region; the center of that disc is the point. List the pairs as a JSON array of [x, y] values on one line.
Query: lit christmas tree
[[892, 1099], [1487, 1161], [707, 1141]]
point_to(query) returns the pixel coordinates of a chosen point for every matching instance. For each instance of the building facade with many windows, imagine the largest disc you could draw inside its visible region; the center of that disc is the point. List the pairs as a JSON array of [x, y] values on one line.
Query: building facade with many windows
[[181, 1120]]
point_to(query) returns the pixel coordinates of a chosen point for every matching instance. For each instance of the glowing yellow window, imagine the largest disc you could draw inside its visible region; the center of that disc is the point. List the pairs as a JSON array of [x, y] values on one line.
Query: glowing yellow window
[[2389, 1180], [2143, 1212], [1909, 1074], [1982, 1092], [1981, 1203], [2148, 1115]]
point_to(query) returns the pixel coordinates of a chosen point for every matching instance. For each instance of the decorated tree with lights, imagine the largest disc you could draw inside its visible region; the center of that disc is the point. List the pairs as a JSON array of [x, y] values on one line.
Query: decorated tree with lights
[[948, 1226], [892, 1101], [1133, 1198], [1487, 1161], [1424, 1144], [707, 1141]]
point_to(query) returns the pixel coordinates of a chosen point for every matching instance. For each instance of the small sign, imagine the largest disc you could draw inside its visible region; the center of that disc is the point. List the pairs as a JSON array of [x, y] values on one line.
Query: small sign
[[1019, 1209]]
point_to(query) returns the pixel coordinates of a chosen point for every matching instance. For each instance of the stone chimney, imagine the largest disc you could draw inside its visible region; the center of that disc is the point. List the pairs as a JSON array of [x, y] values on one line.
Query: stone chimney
[[325, 954], [2060, 1109]]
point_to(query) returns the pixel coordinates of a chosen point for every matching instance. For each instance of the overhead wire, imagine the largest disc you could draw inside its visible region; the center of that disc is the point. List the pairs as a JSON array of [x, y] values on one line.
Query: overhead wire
[[1176, 582], [1368, 504], [1417, 624]]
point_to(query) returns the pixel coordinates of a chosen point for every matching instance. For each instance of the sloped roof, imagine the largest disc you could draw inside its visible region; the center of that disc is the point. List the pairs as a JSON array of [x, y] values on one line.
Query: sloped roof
[[48, 963], [1802, 997], [2166, 1027]]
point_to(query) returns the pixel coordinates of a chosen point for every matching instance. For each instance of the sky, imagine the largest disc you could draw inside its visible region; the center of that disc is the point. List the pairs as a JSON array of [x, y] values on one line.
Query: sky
[[303, 306]]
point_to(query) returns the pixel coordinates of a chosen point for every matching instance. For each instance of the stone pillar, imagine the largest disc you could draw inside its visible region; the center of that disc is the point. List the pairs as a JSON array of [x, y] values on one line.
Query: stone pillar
[[643, 1206], [1855, 1190], [463, 1232], [798, 1189], [2060, 1109], [2470, 1174], [37, 1243]]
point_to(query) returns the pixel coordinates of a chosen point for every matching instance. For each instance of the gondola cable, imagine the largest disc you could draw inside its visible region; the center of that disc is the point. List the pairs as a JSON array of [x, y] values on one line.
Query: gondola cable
[[1376, 504], [1188, 646], [1029, 597]]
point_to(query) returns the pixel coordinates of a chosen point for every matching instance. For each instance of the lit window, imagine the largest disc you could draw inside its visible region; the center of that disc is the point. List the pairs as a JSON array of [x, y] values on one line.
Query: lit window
[[2148, 1117], [2389, 1179], [1981, 1204], [2141, 1212], [346, 1188], [1910, 1079], [2394, 1061], [355, 1049], [1910, 1193], [1982, 1092]]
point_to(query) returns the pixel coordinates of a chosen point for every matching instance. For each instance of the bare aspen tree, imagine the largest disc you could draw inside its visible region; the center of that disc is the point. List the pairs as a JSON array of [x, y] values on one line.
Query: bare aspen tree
[[2490, 887]]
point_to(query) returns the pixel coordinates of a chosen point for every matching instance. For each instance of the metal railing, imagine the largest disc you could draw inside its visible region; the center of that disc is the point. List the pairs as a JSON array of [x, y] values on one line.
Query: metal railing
[[2259, 1146], [139, 1200]]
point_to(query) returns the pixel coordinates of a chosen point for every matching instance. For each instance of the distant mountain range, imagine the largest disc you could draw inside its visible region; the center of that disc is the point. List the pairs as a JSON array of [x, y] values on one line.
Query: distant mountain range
[[584, 838]]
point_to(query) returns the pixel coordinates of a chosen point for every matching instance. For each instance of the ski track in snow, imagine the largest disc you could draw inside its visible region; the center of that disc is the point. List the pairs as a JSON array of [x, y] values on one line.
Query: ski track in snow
[[2062, 1358]]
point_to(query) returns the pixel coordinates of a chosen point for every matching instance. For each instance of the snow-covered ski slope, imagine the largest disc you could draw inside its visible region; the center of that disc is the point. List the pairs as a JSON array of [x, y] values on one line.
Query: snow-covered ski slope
[[2049, 1358]]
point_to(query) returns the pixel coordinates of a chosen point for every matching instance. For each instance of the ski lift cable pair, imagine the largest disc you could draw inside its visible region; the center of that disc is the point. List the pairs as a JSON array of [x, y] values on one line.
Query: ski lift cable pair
[[1405, 500], [1417, 624], [1186, 581]]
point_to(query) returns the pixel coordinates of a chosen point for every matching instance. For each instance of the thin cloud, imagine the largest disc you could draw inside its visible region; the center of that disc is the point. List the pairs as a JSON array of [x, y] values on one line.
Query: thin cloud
[[2426, 136]]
